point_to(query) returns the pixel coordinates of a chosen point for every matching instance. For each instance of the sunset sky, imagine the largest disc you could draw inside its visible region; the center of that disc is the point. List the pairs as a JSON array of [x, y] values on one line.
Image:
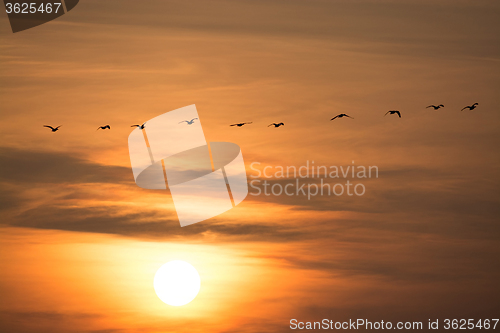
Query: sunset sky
[[80, 242]]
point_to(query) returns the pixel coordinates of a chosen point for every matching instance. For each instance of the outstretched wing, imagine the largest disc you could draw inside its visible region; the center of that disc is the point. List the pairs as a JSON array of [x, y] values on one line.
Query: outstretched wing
[[282, 124], [334, 118], [272, 124], [398, 113], [348, 116], [467, 107], [234, 125], [431, 106], [387, 113], [135, 126], [52, 128], [193, 119], [184, 121]]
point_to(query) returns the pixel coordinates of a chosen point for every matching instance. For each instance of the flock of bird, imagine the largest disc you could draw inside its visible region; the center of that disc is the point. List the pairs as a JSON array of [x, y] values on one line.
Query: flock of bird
[[435, 107], [276, 125]]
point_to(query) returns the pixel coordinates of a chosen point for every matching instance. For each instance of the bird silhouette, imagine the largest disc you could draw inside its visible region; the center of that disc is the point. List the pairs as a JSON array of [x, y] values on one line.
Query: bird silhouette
[[435, 107], [471, 107], [103, 127], [189, 122], [394, 112], [240, 124], [276, 125], [341, 115], [54, 129], [140, 126]]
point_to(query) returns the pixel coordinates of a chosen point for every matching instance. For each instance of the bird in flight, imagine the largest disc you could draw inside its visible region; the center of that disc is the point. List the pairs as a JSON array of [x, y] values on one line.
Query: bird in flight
[[394, 112], [341, 115], [54, 129], [471, 107], [435, 107], [276, 125], [140, 126], [189, 122], [103, 127], [240, 124]]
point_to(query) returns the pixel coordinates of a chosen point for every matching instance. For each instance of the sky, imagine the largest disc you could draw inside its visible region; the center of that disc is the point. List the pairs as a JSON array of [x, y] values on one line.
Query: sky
[[81, 242]]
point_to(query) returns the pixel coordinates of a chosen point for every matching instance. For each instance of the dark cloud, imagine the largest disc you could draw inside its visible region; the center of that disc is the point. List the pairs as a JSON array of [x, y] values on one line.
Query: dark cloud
[[110, 220], [429, 263], [460, 208], [416, 191], [10, 198], [45, 321], [26, 166], [47, 315], [389, 24], [25, 169]]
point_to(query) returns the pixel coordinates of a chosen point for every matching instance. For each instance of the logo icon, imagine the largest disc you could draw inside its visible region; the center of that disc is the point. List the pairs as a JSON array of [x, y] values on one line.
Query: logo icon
[[26, 14], [204, 179]]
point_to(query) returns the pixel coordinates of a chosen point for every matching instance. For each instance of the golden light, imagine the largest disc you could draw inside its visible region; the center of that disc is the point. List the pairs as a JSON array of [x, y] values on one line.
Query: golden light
[[177, 283]]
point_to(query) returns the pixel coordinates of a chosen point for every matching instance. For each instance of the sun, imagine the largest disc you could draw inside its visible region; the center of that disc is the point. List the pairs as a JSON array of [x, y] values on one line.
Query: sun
[[177, 283]]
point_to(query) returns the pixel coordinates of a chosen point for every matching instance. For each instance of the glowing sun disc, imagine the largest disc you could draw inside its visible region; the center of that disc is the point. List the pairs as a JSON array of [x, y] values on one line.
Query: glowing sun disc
[[177, 283]]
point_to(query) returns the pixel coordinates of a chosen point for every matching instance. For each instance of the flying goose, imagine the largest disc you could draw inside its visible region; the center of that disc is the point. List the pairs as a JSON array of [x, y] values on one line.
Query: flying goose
[[340, 116], [435, 107], [240, 124], [394, 112], [54, 129], [471, 107], [189, 122]]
